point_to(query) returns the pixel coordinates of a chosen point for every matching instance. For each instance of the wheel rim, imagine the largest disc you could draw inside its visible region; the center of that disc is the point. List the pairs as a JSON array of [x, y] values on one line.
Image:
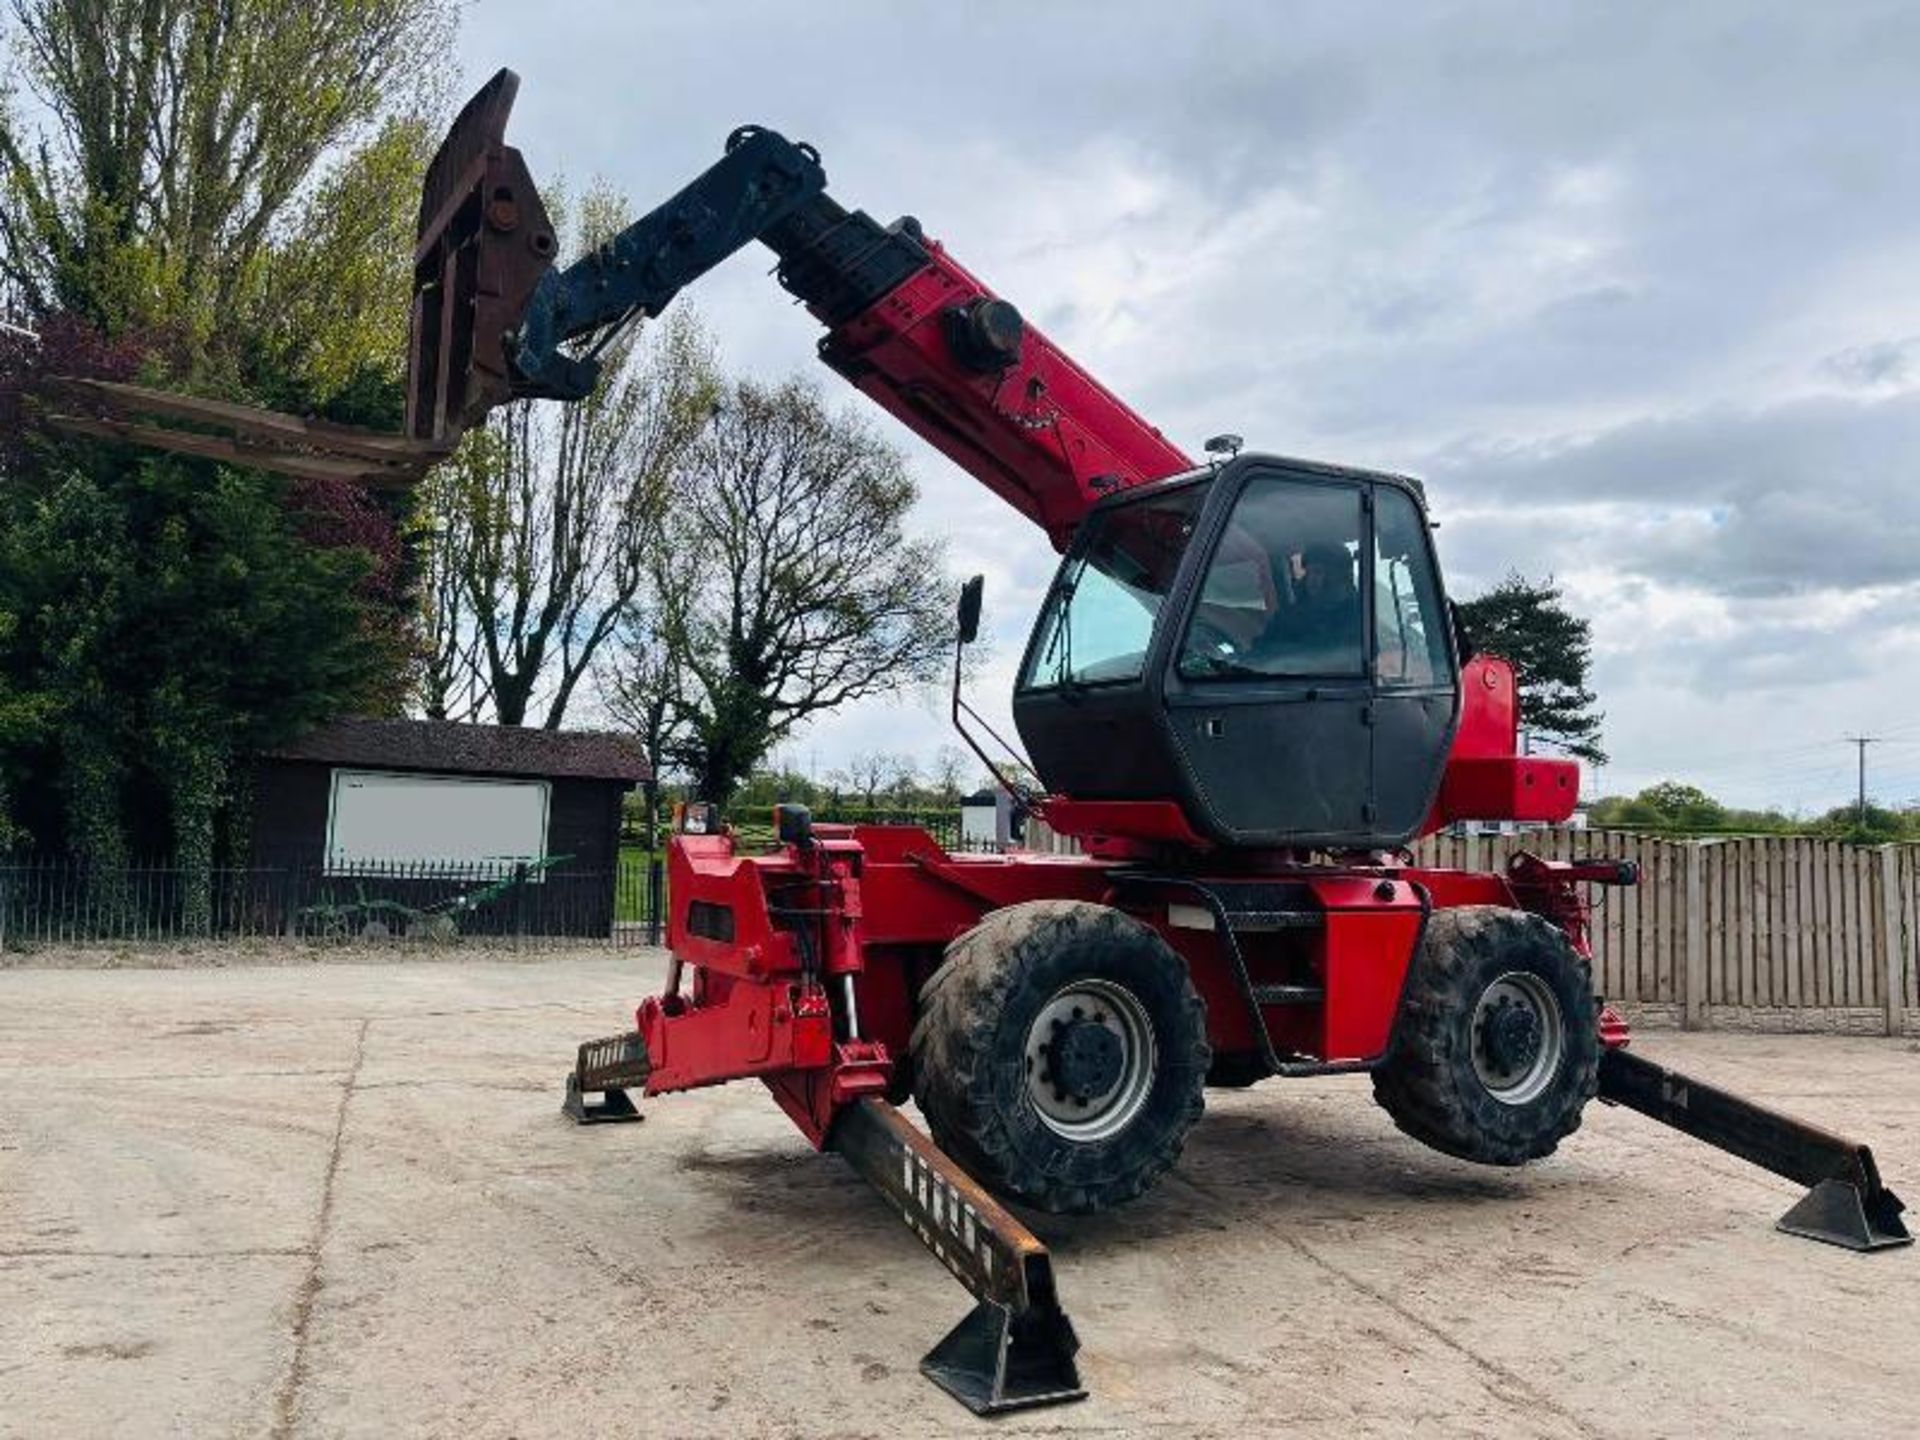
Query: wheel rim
[[1518, 1036], [1090, 1060]]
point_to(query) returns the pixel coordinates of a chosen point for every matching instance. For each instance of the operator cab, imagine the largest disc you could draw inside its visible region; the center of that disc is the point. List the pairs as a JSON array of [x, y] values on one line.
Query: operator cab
[[1265, 642]]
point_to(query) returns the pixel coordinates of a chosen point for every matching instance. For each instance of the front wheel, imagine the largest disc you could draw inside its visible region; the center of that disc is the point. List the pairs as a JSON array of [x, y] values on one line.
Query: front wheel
[[1060, 1054], [1496, 1050]]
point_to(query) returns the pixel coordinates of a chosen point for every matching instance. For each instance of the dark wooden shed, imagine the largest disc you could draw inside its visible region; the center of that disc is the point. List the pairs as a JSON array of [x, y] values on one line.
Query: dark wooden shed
[[408, 816]]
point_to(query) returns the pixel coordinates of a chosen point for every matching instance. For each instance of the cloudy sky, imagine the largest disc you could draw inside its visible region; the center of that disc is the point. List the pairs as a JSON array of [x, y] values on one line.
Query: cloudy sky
[[1632, 286]]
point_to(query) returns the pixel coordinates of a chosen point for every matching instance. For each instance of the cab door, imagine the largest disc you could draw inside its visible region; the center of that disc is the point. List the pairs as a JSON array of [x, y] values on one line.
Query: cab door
[[1268, 684]]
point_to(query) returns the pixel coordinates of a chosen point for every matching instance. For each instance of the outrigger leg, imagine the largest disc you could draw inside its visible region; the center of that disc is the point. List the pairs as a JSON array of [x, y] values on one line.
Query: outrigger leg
[[1847, 1204], [1015, 1349]]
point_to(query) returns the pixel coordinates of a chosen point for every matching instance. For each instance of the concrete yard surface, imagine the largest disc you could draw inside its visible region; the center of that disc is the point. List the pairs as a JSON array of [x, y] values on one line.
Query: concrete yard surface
[[339, 1199]]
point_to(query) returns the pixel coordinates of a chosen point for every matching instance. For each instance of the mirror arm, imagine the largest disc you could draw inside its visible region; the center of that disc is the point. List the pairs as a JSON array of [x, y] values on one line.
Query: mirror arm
[[969, 628]]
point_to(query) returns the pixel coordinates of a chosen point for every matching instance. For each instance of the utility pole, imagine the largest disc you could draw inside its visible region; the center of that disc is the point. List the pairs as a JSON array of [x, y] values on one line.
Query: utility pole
[[1862, 741]]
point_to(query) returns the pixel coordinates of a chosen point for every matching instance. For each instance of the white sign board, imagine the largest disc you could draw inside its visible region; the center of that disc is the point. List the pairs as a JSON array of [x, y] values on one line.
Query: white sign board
[[979, 824], [377, 819]]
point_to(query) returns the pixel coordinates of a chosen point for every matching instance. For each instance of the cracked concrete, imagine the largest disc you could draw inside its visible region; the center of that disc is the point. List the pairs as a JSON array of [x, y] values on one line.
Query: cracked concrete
[[339, 1200], [287, 1403]]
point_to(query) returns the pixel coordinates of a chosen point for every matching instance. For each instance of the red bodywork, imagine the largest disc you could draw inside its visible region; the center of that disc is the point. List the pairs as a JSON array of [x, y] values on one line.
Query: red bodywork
[[803, 966], [1485, 779], [776, 944], [1043, 435]]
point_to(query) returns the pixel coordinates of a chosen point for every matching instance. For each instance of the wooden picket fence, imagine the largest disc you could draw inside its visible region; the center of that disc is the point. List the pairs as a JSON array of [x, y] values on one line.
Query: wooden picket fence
[[1779, 933], [1758, 932]]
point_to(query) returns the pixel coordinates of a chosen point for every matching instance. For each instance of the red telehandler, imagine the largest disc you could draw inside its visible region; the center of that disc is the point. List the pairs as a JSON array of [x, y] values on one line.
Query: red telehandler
[[1244, 695]]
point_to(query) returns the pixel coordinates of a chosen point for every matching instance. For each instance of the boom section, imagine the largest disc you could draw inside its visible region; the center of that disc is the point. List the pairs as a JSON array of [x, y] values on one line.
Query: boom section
[[493, 319], [907, 324], [927, 340]]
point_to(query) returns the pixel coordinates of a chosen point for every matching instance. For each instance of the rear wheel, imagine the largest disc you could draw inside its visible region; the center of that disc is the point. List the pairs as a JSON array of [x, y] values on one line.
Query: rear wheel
[[1497, 1049], [1060, 1054]]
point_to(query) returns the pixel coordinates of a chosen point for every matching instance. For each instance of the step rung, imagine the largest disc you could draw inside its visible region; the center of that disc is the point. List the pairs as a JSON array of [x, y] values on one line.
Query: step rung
[[1241, 922], [1251, 920], [1288, 994]]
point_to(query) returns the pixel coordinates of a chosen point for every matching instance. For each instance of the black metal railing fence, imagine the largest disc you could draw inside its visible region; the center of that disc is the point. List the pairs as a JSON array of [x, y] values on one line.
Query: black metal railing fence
[[754, 827], [59, 900], [48, 900]]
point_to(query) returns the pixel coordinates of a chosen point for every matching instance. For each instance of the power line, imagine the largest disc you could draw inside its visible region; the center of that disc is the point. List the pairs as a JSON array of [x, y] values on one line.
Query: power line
[[1792, 767], [1780, 762]]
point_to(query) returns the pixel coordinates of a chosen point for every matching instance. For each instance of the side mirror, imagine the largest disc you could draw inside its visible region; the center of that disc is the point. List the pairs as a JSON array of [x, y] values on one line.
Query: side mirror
[[970, 594]]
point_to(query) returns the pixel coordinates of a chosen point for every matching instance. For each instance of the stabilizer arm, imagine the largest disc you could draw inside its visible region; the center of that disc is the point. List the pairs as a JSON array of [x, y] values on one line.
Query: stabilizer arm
[[1015, 1349], [1847, 1205]]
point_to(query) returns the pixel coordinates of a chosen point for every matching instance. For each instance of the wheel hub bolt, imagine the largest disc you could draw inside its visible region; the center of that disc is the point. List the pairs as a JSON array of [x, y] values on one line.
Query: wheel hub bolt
[[1511, 1037], [1086, 1060]]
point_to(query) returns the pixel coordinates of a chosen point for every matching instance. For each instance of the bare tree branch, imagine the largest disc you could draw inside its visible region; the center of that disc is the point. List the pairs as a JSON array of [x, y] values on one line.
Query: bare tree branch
[[547, 518], [642, 691], [786, 584]]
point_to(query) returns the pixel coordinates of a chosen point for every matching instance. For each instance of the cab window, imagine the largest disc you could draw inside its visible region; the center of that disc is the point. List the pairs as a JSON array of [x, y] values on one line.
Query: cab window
[[1282, 595], [1409, 634]]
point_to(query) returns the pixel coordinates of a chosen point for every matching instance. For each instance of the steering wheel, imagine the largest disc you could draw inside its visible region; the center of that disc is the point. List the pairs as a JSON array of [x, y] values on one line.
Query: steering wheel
[[1210, 641]]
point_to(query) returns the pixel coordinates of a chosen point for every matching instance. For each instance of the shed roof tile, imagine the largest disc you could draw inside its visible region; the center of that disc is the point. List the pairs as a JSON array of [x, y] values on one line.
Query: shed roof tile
[[449, 747]]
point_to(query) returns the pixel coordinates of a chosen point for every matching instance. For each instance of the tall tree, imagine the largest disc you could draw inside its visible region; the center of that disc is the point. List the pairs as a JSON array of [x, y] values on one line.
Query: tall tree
[[23, 724], [177, 147], [1527, 622], [786, 582], [641, 691], [220, 196], [544, 519], [330, 326], [452, 680], [171, 622]]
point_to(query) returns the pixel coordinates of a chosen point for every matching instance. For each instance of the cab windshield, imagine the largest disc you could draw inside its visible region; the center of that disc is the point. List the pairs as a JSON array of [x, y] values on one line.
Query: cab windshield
[[1099, 617]]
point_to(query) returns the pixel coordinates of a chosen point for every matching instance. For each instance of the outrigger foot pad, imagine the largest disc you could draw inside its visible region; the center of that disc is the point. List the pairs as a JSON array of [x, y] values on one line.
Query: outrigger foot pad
[[606, 1068], [611, 1108], [1847, 1206], [994, 1361], [1837, 1212]]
